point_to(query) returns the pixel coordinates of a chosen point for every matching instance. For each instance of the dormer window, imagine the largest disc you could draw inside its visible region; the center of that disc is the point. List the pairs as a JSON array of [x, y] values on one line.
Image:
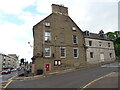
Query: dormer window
[[87, 33], [74, 28], [47, 24]]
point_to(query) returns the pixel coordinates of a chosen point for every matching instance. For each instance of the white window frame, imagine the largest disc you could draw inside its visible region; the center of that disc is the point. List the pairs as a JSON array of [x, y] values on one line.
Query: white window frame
[[74, 53], [49, 54], [57, 62], [47, 36], [76, 39], [64, 52]]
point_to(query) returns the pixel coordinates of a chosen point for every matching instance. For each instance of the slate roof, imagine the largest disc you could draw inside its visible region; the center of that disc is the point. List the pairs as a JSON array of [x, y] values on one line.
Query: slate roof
[[96, 36]]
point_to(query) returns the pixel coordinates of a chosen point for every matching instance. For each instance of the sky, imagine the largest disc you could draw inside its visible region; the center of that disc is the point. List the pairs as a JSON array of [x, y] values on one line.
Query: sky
[[17, 18]]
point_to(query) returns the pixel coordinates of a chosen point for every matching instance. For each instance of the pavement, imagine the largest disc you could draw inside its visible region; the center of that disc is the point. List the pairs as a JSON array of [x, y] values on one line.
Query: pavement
[[30, 76]]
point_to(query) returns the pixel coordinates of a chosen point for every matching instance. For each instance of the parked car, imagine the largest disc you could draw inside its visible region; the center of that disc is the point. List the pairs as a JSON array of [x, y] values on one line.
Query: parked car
[[6, 71], [13, 70]]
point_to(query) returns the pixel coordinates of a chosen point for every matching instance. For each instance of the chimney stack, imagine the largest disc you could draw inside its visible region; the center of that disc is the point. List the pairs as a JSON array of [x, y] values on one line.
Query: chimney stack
[[60, 9]]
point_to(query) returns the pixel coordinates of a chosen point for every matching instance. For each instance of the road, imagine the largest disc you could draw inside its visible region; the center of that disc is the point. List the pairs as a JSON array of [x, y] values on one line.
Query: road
[[75, 79], [5, 78]]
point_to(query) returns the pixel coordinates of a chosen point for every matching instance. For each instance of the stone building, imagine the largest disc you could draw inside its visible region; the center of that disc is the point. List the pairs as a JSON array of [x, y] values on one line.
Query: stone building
[[99, 48], [58, 42], [7, 61]]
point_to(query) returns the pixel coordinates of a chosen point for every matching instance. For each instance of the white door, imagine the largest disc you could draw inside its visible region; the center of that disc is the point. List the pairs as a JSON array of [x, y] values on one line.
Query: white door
[[101, 57]]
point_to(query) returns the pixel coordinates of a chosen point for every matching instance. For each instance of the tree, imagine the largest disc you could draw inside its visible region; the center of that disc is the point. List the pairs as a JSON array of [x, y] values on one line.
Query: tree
[[110, 35], [115, 36]]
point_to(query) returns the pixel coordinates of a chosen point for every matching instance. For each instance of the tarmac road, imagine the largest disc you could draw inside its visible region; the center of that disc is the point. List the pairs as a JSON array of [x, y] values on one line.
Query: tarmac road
[[75, 79]]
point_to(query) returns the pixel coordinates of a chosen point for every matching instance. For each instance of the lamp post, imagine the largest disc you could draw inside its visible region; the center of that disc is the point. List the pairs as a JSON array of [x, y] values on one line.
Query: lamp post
[[33, 59]]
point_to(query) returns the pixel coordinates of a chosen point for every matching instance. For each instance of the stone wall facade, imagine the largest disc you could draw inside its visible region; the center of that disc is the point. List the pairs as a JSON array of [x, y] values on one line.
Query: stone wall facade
[[62, 29], [106, 49]]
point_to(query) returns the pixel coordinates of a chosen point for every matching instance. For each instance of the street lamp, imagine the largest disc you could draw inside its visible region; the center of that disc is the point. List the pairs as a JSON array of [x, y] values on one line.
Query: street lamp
[[33, 59]]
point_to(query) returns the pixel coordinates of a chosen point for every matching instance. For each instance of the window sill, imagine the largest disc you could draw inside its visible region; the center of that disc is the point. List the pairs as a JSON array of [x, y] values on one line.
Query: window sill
[[75, 57], [62, 57], [75, 43]]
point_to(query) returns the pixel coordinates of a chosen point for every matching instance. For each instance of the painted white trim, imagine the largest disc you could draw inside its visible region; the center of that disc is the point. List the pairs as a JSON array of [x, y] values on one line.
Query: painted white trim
[[65, 52], [77, 53], [50, 52], [47, 36]]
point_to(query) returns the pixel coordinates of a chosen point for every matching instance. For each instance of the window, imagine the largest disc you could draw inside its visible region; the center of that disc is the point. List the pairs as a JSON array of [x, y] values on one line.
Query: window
[[87, 33], [110, 54], [57, 62], [74, 37], [75, 52], [47, 36], [100, 44], [74, 28], [91, 54], [90, 43], [47, 52], [108, 44], [47, 24], [62, 52]]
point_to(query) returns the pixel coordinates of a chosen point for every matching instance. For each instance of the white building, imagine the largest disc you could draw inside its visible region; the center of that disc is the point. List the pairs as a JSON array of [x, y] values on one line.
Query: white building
[[7, 61], [99, 48]]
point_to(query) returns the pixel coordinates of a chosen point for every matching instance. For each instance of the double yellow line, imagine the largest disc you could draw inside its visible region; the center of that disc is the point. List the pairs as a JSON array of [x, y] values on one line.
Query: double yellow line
[[9, 81], [95, 80]]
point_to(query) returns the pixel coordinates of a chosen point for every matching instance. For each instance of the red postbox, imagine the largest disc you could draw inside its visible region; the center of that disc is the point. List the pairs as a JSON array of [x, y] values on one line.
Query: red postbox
[[47, 66]]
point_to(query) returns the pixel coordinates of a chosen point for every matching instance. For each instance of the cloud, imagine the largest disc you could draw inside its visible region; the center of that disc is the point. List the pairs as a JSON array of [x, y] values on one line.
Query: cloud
[[90, 15], [14, 6], [15, 37]]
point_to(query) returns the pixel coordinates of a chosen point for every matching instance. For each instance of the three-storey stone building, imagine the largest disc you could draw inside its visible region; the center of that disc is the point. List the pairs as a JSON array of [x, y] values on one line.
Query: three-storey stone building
[[58, 42]]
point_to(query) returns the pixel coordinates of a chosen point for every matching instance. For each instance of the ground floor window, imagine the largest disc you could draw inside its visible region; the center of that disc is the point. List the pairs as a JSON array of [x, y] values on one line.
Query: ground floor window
[[110, 54], [75, 52], [57, 62]]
